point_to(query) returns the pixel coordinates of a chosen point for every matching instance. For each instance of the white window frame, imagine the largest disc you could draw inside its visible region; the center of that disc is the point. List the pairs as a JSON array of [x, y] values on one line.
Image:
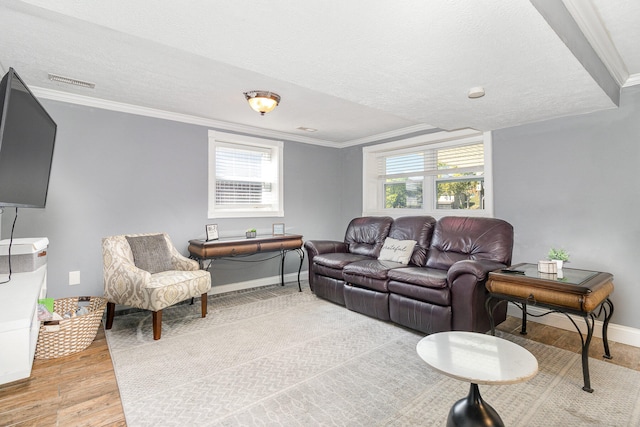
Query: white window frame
[[276, 209], [373, 196]]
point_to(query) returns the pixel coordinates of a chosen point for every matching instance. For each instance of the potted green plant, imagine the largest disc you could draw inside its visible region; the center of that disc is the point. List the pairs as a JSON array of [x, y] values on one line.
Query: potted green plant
[[251, 233], [560, 256]]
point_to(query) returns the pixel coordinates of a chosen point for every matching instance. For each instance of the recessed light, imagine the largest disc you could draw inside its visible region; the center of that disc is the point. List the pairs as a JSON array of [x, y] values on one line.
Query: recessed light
[[476, 92], [307, 129]]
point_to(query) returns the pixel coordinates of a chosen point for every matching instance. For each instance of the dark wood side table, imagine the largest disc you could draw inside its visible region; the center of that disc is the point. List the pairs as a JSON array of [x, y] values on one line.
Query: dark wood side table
[[227, 247], [579, 292]]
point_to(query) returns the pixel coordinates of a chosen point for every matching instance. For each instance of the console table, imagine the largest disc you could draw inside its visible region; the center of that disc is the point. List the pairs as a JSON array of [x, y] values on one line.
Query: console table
[[570, 291], [227, 247]]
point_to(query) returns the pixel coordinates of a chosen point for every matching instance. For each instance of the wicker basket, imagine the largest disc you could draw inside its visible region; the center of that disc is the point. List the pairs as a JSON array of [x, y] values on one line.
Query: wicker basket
[[68, 336]]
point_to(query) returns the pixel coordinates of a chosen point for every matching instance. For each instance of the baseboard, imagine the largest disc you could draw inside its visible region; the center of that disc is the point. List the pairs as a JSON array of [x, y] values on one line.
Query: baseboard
[[256, 283], [618, 333]]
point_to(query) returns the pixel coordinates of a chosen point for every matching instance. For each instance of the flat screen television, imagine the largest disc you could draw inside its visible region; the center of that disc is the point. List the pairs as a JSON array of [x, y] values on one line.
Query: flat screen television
[[27, 138]]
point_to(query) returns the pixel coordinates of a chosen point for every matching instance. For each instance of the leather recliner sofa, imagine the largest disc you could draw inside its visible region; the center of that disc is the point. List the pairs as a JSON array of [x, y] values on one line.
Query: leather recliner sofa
[[439, 286]]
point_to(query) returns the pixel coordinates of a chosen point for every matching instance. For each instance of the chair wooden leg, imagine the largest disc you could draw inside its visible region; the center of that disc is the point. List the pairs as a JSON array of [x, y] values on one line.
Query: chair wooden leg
[[203, 302], [157, 324], [111, 310]]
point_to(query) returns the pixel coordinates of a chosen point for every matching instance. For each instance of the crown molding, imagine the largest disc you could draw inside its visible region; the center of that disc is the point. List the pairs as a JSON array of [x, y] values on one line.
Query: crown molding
[[88, 101], [587, 18], [398, 133], [634, 79]]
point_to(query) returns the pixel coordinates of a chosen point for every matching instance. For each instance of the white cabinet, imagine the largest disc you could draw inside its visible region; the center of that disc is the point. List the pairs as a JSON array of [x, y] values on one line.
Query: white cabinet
[[19, 325]]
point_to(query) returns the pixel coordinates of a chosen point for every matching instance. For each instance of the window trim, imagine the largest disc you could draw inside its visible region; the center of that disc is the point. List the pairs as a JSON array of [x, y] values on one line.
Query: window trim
[[372, 192], [277, 151]]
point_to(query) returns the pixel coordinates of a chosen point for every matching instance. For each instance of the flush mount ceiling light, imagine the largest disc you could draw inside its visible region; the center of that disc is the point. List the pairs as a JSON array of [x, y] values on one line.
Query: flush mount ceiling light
[[262, 101], [476, 92]]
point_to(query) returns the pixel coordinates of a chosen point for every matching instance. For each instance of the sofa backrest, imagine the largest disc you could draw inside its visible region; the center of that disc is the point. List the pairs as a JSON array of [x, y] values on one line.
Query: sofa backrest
[[459, 238], [365, 235], [418, 228]]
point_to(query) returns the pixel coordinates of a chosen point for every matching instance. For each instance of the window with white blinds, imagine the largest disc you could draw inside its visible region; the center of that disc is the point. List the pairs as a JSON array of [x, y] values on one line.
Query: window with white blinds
[[435, 174], [245, 176]]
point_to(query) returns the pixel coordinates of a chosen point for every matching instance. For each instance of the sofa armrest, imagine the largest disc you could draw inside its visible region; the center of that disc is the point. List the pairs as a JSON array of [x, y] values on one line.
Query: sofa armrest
[[468, 295], [317, 247], [479, 268]]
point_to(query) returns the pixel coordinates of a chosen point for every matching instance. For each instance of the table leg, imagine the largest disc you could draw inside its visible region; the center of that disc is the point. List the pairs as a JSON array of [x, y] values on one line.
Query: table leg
[[301, 255], [489, 310], [590, 321], [607, 307], [472, 411], [523, 328], [283, 253]]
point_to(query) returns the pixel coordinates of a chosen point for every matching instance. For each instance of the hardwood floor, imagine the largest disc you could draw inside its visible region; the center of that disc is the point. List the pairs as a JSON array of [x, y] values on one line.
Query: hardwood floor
[[81, 389], [75, 390]]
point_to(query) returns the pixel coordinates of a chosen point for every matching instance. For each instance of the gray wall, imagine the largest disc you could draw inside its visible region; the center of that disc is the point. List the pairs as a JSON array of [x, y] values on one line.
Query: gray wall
[[569, 182], [573, 182], [116, 173]]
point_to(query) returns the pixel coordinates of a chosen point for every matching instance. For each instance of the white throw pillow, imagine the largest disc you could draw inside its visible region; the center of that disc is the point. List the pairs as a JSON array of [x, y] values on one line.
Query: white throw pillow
[[397, 250]]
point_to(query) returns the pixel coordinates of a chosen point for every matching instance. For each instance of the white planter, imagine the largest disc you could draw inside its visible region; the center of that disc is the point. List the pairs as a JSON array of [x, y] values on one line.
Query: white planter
[[559, 262]]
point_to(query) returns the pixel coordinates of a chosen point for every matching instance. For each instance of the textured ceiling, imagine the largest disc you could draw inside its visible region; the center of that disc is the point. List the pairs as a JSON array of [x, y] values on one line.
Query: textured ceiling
[[356, 71]]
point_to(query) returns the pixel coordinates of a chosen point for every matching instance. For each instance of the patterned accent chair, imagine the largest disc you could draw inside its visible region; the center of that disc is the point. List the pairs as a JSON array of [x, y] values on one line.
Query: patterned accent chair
[[146, 271]]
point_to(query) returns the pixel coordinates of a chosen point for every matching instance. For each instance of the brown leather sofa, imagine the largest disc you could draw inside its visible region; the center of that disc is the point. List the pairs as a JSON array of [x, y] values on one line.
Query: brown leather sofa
[[440, 288]]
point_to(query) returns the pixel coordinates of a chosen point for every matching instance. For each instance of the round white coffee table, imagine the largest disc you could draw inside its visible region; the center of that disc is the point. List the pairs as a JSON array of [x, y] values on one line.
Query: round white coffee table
[[478, 359]]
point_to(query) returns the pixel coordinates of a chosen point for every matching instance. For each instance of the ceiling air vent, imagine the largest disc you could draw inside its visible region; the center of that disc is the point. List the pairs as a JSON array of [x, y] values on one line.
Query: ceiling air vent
[[70, 81]]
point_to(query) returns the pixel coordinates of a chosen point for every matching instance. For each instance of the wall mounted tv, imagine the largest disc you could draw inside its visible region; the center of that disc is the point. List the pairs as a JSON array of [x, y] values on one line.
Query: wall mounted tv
[[27, 138]]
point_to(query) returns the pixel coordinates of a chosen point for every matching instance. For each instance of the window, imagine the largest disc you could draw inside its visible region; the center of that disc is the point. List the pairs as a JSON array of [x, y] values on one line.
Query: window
[[245, 176], [436, 174]]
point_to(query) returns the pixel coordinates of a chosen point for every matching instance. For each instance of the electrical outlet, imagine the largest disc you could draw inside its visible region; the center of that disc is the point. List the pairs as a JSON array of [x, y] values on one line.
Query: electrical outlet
[[74, 278]]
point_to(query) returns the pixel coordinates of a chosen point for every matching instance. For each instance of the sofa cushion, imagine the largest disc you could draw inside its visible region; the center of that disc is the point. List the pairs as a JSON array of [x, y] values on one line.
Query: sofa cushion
[[150, 253], [418, 228], [397, 250], [373, 268], [420, 276], [438, 296], [425, 317], [321, 270], [366, 235], [337, 260], [459, 238], [365, 301]]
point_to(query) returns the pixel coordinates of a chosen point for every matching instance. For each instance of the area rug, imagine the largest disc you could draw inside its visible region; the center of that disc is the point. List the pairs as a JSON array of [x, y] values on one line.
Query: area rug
[[278, 357]]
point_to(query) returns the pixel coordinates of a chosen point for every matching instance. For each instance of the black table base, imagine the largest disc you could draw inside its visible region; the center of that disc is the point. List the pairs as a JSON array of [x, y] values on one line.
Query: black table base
[[472, 411]]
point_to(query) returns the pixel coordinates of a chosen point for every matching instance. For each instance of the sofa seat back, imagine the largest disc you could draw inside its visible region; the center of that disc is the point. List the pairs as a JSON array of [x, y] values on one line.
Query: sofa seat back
[[365, 235], [464, 238], [368, 272], [418, 228]]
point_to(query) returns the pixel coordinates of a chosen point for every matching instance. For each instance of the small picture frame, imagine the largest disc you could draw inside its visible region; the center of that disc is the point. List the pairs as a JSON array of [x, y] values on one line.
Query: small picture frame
[[278, 229], [212, 232]]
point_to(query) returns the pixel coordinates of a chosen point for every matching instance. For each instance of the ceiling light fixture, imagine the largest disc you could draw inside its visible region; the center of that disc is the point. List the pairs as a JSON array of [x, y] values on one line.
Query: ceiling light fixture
[[306, 129], [71, 81], [262, 101], [476, 92]]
